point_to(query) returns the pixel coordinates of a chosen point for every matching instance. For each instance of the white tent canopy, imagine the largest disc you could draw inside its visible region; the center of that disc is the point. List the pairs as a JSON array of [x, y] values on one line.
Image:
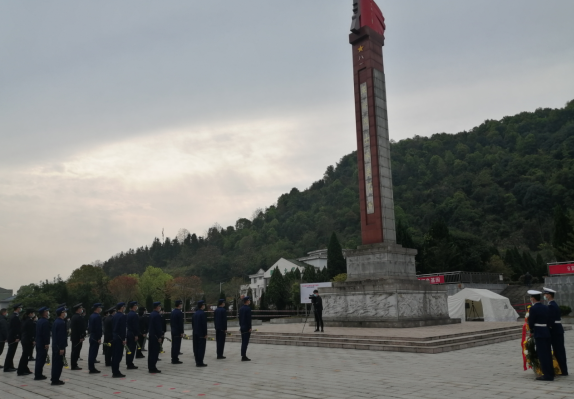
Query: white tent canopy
[[481, 304]]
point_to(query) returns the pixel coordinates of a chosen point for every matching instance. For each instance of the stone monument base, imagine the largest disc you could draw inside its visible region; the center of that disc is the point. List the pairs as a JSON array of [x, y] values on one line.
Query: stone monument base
[[382, 291]]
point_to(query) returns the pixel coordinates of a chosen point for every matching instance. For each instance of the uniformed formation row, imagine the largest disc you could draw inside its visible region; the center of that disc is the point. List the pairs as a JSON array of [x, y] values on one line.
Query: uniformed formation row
[[116, 331], [545, 324]]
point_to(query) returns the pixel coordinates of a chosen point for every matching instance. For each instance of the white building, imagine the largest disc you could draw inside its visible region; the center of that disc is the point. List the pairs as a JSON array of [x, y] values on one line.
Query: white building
[[259, 281]]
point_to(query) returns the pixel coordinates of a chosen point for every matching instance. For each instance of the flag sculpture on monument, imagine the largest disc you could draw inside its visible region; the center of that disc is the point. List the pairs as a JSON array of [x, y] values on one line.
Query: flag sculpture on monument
[[381, 288]]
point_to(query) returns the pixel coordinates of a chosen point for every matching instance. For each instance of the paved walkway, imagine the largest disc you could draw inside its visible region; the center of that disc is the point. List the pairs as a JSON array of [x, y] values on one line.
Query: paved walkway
[[486, 372]]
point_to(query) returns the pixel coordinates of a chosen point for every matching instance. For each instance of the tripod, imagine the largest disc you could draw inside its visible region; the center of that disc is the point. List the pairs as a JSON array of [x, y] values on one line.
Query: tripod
[[472, 311], [312, 310]]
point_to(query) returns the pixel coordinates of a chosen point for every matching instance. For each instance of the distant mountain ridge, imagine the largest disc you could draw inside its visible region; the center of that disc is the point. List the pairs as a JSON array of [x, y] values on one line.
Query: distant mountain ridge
[[459, 198]]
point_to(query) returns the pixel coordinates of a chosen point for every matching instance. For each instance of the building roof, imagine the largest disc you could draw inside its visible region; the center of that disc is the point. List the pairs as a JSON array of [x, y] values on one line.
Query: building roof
[[298, 263]]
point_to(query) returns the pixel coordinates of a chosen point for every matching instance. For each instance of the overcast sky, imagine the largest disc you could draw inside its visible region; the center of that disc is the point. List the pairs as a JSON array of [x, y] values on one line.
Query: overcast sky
[[118, 119]]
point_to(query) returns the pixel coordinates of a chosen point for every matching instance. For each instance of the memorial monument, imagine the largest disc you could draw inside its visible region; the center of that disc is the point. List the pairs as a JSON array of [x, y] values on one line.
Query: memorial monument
[[382, 289]]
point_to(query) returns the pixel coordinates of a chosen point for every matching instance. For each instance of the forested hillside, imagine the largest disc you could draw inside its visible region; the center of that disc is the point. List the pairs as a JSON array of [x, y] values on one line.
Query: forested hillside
[[484, 199]]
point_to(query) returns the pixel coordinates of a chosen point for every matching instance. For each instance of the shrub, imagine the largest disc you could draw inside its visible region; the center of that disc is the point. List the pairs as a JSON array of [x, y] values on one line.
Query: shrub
[[565, 310]]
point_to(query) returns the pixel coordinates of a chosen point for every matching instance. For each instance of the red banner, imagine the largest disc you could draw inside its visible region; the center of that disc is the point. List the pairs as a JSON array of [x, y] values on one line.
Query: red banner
[[438, 279], [565, 268]]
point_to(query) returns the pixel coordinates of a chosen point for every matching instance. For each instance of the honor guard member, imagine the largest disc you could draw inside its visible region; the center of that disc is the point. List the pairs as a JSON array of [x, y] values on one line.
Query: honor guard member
[[42, 342], [28, 340], [133, 325], [538, 321], [95, 337], [176, 323], [245, 327], [3, 331], [556, 330], [119, 340], [220, 321], [59, 344], [109, 336], [199, 334], [143, 321], [155, 338], [14, 331], [104, 315], [77, 334]]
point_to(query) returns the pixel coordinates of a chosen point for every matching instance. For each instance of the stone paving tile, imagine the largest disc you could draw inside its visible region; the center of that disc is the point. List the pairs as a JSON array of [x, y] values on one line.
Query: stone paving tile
[[277, 372]]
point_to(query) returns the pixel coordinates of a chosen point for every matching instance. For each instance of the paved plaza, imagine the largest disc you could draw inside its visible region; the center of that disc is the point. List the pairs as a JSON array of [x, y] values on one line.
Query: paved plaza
[[493, 371]]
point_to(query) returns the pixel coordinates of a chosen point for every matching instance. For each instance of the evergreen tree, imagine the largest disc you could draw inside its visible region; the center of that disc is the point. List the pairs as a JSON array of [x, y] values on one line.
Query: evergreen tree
[[563, 237], [404, 238], [263, 302], [336, 262], [277, 292], [310, 274], [297, 274]]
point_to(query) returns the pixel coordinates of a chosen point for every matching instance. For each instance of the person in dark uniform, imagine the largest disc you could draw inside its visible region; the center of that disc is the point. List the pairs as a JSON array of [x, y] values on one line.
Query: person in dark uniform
[[155, 337], [199, 334], [245, 327], [42, 342], [143, 320], [14, 331], [556, 331], [34, 320], [317, 302], [109, 336], [3, 331], [95, 337], [59, 344], [104, 316], [538, 321], [77, 334], [176, 323], [119, 339], [133, 325], [28, 338], [220, 321]]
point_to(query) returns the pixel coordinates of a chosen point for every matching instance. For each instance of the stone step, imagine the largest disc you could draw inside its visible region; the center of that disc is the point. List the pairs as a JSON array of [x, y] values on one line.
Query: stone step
[[444, 336], [263, 338]]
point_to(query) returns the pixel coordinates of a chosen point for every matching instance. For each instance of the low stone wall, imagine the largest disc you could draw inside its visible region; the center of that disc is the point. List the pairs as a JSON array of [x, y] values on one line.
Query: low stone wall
[[564, 286], [289, 320]]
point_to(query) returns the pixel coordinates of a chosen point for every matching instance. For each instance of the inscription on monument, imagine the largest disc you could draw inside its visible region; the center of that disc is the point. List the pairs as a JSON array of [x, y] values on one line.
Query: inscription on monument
[[367, 149]]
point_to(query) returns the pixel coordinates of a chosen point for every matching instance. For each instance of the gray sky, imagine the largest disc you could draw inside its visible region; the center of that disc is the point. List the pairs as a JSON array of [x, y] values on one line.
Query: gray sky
[[118, 119]]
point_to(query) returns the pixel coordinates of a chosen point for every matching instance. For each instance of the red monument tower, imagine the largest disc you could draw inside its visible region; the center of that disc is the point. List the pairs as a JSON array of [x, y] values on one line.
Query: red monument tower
[[382, 289], [375, 180]]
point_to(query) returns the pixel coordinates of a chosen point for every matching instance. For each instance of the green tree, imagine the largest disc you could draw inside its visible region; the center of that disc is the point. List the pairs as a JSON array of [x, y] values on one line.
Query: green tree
[[277, 292], [153, 282], [336, 262], [263, 302], [88, 284], [310, 274], [563, 237]]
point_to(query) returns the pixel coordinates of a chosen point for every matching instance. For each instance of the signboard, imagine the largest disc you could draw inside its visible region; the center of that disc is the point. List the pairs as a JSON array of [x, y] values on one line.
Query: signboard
[[562, 268], [307, 290], [433, 279]]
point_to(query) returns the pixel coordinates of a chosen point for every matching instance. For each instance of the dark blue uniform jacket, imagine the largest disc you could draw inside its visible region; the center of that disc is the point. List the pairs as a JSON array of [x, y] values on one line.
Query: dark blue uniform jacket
[[538, 320], [555, 318], [245, 318], [176, 322], [199, 323], [155, 326], [95, 327], [28, 331], [119, 326], [42, 332], [14, 328], [220, 320], [59, 335], [133, 323]]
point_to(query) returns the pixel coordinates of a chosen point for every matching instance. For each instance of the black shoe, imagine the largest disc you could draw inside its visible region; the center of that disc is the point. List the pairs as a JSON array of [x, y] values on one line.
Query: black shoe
[[118, 376], [132, 367], [221, 357], [58, 383], [155, 371], [1, 367], [40, 378], [181, 353], [177, 362], [245, 359], [159, 360], [201, 365], [76, 368], [96, 361], [108, 365], [25, 373], [542, 378], [94, 371], [144, 350], [31, 358], [9, 370], [317, 330], [140, 357], [80, 358]]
